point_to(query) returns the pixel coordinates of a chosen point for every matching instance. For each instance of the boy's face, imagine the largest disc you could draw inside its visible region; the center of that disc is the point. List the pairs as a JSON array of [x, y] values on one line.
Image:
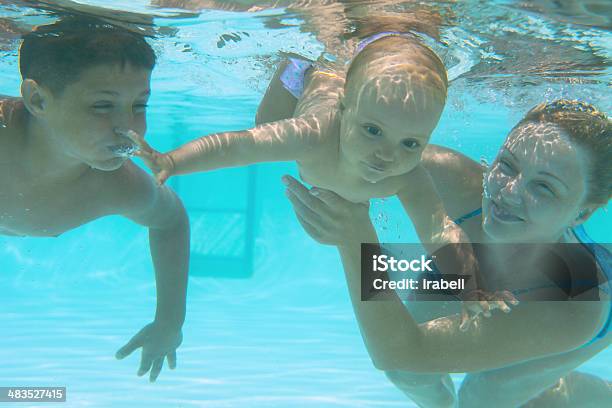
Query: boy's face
[[385, 127], [83, 119]]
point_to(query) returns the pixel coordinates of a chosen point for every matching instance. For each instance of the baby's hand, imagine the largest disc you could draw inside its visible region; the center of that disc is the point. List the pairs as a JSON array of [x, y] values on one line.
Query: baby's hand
[[161, 164], [158, 342], [479, 301]]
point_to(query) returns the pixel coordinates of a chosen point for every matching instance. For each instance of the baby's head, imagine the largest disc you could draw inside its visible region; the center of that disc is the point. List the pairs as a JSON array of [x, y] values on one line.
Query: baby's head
[[394, 94], [82, 80]]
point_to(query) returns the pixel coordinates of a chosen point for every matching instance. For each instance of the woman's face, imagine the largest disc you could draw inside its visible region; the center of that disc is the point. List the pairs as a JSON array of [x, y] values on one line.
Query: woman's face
[[535, 187]]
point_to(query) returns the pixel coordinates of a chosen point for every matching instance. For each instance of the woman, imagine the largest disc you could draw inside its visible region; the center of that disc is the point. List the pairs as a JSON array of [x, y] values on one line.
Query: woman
[[551, 174]]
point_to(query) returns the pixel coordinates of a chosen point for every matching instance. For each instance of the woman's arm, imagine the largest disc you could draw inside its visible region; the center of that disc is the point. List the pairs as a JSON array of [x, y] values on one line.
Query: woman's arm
[[394, 339], [514, 386], [397, 342], [457, 179]]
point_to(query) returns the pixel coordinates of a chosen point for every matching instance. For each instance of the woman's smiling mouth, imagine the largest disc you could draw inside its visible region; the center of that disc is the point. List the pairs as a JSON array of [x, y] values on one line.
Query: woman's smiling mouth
[[502, 214]]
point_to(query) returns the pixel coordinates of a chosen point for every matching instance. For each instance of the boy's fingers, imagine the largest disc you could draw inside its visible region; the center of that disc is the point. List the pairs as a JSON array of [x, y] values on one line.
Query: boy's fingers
[[172, 360], [156, 369], [129, 348], [145, 363]]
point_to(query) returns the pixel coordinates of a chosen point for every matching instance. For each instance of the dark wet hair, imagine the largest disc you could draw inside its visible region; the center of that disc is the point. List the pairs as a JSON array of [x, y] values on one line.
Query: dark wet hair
[[589, 128], [54, 55], [421, 58]]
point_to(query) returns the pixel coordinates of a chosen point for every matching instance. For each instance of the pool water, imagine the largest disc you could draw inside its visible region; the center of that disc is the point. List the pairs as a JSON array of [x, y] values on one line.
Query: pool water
[[269, 322]]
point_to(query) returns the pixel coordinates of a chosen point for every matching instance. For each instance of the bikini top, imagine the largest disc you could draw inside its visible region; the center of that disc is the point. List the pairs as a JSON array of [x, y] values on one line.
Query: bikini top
[[602, 256]]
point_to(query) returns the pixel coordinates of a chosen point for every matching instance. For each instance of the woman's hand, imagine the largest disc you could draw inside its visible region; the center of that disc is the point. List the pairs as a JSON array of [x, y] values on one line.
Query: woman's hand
[[327, 217], [161, 164]]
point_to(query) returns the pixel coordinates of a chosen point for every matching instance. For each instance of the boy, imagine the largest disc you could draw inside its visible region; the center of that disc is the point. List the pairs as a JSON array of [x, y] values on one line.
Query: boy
[[63, 163]]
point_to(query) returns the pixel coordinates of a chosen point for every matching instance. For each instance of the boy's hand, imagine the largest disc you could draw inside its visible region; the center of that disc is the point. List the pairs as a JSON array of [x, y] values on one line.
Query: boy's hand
[[161, 164], [479, 302], [158, 342]]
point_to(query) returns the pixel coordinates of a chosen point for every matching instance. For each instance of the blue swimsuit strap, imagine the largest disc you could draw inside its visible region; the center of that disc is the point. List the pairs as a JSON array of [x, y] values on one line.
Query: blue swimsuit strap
[[601, 254], [604, 259], [467, 216]]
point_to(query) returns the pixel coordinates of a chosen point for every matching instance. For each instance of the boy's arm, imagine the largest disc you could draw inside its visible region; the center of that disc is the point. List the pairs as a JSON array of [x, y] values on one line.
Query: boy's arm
[[286, 140], [159, 209]]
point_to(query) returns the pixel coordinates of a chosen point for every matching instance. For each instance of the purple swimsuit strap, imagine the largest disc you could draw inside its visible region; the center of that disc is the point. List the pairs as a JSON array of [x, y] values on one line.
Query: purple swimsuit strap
[[368, 40]]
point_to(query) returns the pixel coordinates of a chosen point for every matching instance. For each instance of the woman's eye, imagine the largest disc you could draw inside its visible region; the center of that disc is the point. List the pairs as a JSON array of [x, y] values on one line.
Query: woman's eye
[[373, 130], [505, 166], [411, 144], [545, 188], [102, 106], [141, 107]]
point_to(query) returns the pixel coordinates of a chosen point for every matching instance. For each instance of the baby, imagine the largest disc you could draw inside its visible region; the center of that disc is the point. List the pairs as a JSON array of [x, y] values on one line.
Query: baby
[[64, 164], [360, 134]]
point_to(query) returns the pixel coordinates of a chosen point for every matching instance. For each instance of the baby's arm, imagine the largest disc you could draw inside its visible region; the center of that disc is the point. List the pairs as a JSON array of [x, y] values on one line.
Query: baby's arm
[[285, 140], [424, 207], [136, 196]]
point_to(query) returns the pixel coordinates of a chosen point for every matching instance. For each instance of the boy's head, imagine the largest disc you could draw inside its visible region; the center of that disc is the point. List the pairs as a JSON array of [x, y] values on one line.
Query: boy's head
[[81, 80], [394, 94]]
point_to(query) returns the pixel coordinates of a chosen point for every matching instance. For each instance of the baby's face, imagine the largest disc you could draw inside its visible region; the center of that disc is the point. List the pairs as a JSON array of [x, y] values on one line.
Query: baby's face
[[386, 126], [84, 118]]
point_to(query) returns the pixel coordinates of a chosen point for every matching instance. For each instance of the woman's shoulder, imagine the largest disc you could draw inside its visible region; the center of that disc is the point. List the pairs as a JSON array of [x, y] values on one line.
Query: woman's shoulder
[[441, 159], [457, 178]]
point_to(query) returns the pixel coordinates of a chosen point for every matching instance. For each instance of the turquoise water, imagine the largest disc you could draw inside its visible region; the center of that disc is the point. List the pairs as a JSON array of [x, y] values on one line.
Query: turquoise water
[[271, 324]]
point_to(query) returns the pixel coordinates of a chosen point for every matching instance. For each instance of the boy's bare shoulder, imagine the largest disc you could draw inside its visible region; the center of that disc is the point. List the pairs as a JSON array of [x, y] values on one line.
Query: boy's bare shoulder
[[134, 194], [9, 106], [11, 125], [127, 188]]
